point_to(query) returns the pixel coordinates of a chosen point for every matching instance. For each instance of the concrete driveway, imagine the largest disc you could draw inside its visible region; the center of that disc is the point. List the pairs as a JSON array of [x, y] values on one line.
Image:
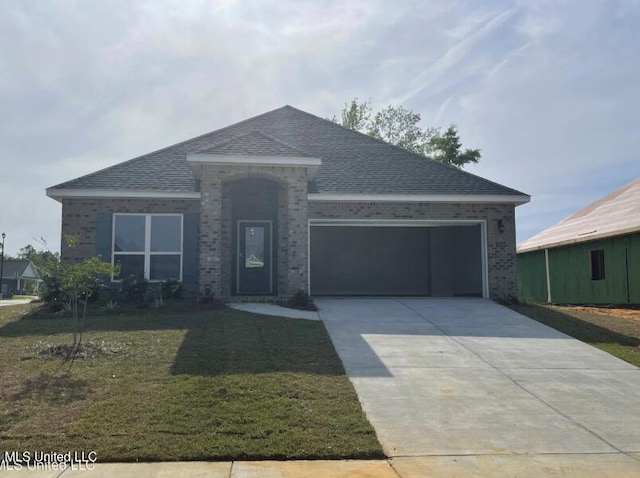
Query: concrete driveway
[[465, 385]]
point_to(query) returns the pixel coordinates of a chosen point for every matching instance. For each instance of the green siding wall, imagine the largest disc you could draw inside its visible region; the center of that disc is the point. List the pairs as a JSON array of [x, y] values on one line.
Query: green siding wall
[[570, 273], [532, 277], [633, 259]]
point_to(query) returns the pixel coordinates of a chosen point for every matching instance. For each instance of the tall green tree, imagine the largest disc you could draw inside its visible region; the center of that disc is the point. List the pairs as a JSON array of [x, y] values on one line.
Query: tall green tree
[[355, 116], [401, 127], [447, 148], [42, 259]]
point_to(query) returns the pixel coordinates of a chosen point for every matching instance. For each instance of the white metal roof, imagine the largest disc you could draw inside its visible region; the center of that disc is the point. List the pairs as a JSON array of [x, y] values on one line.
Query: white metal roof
[[615, 214]]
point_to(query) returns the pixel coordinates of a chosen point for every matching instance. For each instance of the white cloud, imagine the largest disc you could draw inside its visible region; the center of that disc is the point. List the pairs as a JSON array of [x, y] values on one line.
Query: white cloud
[[547, 89]]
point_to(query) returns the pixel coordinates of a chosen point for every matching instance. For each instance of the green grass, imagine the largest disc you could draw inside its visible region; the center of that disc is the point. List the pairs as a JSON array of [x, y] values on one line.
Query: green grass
[[26, 297], [622, 346], [198, 385]]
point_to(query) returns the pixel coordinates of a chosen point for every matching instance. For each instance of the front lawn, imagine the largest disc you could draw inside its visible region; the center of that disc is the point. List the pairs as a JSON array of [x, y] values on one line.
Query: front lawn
[[180, 385]]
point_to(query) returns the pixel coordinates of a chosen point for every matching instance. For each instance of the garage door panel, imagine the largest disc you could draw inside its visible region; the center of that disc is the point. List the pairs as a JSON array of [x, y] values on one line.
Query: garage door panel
[[456, 262], [441, 261], [370, 261]]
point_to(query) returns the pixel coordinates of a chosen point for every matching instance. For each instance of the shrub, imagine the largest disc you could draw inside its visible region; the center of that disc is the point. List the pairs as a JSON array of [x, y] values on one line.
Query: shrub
[[301, 300], [172, 289], [510, 299], [133, 290], [110, 305], [51, 291], [208, 297], [55, 291]]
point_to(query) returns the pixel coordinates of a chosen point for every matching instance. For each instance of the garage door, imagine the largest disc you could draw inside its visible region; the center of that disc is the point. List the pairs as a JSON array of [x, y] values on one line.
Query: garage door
[[443, 261]]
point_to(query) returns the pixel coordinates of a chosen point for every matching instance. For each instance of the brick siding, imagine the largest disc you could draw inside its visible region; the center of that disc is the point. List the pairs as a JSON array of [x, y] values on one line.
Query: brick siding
[[79, 216], [501, 247], [216, 229], [79, 219]]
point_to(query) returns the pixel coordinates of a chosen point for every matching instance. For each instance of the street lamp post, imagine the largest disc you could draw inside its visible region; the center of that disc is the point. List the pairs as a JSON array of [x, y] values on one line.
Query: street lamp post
[[2, 264]]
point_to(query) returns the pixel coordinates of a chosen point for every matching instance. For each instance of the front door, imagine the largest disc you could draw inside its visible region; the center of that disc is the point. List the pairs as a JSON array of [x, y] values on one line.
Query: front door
[[254, 266]]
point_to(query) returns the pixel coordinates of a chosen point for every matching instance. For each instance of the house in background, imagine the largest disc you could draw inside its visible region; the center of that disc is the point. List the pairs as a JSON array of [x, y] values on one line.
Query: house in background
[[287, 201], [19, 277], [591, 257]]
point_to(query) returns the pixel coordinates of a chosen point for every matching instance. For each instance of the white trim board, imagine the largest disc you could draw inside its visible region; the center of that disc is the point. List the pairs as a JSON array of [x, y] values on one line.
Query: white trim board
[[395, 222], [250, 160], [58, 194], [446, 198], [200, 159]]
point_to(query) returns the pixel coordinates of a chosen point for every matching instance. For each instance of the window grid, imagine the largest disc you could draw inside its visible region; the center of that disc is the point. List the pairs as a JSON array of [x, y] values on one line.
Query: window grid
[[147, 245]]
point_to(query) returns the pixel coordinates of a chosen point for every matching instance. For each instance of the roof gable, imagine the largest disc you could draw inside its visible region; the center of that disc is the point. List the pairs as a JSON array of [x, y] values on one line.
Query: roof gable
[[254, 143], [352, 162], [615, 214], [19, 269]]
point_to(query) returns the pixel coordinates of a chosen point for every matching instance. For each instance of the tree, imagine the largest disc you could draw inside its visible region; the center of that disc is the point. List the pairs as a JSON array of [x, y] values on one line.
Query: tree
[[400, 126], [80, 281], [72, 284], [446, 148], [355, 116], [43, 259], [27, 252]]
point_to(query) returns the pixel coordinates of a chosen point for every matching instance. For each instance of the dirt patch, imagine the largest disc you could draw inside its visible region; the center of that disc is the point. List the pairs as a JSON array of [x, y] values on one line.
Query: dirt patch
[[624, 313], [622, 321], [79, 351]]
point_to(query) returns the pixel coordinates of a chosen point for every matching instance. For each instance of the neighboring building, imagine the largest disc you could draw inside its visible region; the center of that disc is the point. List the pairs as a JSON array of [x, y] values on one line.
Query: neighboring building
[[19, 277], [287, 201], [591, 257]]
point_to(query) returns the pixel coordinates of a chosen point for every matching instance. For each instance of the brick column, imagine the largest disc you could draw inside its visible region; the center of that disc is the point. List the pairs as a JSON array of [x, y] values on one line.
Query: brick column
[[210, 233], [297, 238]]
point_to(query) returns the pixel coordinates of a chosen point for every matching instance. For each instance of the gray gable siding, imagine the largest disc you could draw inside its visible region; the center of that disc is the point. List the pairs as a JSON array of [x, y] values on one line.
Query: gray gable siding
[[352, 163]]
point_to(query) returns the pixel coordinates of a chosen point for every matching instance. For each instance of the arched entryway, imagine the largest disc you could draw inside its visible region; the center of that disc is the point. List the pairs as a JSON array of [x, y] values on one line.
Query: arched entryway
[[253, 223]]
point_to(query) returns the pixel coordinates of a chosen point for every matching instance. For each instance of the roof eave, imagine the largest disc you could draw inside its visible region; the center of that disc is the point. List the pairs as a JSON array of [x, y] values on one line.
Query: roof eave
[[440, 198], [577, 240], [61, 193]]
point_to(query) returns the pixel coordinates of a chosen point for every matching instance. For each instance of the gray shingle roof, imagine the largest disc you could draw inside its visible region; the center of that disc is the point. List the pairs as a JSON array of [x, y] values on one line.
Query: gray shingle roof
[[16, 269], [255, 142], [352, 162]]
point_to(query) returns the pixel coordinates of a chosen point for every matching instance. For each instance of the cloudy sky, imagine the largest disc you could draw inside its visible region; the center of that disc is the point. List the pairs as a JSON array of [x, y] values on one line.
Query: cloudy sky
[[549, 90]]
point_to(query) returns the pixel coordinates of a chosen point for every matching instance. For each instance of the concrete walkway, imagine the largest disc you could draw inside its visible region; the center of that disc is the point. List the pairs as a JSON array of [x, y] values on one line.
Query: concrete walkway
[[7, 302], [274, 310], [236, 469], [470, 387]]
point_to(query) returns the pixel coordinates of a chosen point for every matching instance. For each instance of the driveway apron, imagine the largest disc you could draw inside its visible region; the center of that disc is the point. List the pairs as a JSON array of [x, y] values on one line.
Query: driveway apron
[[439, 377]]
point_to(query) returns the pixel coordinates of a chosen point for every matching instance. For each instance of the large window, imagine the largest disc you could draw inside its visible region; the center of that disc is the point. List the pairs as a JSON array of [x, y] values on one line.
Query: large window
[[148, 245]]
